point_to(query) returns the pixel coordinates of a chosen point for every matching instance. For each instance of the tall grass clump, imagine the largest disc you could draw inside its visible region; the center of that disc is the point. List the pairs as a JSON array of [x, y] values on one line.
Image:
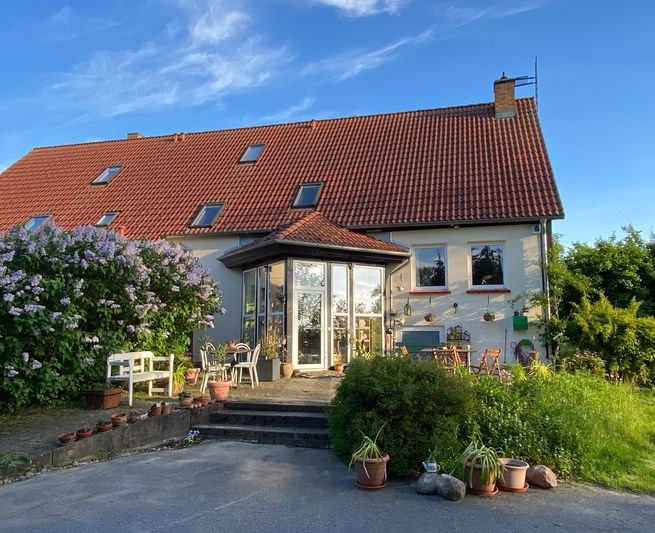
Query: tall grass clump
[[578, 424], [420, 406]]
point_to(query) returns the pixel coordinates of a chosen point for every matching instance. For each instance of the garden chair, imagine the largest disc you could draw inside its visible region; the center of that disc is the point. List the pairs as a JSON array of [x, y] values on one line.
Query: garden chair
[[249, 364], [488, 363], [449, 358]]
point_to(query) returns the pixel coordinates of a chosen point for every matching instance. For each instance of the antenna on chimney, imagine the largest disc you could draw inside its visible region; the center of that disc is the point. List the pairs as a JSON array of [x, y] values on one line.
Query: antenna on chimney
[[530, 80]]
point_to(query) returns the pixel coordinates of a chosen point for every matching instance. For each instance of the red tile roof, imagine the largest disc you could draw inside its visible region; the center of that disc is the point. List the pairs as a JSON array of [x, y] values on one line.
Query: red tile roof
[[451, 165], [314, 229]]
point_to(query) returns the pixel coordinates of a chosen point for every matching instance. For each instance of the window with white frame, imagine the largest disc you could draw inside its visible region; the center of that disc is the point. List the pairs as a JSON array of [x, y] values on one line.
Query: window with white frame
[[430, 267], [487, 265]]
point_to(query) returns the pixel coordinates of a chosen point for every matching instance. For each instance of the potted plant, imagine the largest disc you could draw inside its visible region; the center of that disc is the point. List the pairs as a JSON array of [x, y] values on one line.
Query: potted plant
[[219, 389], [338, 363], [102, 426], [185, 399], [268, 364], [101, 396], [179, 377], [370, 463], [119, 419], [489, 316], [84, 432], [430, 463], [66, 438], [513, 477], [192, 374], [482, 467], [155, 410], [430, 317], [286, 366]]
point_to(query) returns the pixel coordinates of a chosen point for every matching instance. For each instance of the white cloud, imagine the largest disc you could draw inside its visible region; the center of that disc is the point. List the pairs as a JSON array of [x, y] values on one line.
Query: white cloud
[[365, 8], [352, 63], [461, 14], [66, 25], [210, 55], [293, 112]]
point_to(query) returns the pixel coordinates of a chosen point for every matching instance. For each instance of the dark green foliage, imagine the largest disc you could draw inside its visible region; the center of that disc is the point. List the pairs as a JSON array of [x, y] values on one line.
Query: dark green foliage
[[421, 405]]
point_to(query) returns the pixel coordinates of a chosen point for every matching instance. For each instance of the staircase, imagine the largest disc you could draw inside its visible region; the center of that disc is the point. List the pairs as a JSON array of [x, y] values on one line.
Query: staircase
[[296, 424]]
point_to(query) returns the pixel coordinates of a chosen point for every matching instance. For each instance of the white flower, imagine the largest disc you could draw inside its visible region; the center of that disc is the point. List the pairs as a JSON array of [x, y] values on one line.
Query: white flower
[[35, 364], [26, 357]]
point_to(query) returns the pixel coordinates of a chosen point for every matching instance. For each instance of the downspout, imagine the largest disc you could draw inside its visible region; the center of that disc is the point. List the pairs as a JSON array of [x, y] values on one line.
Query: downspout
[[404, 263], [543, 251]]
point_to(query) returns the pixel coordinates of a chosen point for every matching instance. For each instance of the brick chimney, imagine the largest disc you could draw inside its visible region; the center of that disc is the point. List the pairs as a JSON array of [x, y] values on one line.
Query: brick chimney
[[504, 101], [134, 135]]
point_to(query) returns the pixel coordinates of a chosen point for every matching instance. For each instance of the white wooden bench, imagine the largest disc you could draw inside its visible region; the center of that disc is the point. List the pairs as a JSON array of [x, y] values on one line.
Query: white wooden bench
[[136, 367]]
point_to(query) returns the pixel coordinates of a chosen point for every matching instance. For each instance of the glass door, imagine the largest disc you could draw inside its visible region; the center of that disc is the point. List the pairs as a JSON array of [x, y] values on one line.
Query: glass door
[[309, 329]]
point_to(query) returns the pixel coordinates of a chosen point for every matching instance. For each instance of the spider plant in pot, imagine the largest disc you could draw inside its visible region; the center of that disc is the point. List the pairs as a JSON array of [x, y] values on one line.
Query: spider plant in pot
[[482, 467], [370, 463]]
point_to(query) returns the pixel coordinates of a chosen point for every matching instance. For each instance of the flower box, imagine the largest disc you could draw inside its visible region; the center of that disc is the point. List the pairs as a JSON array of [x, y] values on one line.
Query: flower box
[[103, 398], [520, 322]]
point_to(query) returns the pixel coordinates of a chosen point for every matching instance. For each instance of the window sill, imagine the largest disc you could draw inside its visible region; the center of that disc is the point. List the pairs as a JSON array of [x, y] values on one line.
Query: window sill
[[429, 291], [488, 291]]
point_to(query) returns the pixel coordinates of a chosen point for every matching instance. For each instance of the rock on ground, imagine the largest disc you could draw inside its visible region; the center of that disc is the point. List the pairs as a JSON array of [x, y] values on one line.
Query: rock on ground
[[541, 476], [450, 487], [427, 483]]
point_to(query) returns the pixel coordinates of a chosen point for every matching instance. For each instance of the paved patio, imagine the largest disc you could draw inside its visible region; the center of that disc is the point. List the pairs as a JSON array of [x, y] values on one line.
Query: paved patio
[[34, 431]]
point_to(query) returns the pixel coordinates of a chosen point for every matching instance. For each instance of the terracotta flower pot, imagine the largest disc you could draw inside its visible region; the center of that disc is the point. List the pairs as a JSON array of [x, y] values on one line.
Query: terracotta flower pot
[[338, 367], [155, 409], [103, 427], [371, 474], [83, 433], [475, 482], [514, 472], [119, 419], [165, 408], [186, 402], [66, 438], [286, 369], [219, 390], [192, 375]]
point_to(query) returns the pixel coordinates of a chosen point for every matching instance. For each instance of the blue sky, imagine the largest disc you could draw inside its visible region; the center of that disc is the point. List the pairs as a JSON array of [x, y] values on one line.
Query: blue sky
[[85, 71]]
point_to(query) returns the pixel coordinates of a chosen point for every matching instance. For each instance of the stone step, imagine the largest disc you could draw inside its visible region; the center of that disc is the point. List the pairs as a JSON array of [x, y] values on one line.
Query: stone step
[[289, 436], [307, 407], [247, 417]]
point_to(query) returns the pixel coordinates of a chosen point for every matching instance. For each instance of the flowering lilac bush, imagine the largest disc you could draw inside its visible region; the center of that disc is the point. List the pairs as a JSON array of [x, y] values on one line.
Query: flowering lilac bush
[[68, 299]]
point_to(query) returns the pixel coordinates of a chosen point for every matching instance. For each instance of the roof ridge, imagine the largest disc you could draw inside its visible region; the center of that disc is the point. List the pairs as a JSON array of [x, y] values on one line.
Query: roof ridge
[[278, 124]]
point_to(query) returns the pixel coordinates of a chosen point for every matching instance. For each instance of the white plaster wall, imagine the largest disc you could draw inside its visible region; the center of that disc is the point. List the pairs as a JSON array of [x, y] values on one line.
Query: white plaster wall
[[207, 250], [522, 271]]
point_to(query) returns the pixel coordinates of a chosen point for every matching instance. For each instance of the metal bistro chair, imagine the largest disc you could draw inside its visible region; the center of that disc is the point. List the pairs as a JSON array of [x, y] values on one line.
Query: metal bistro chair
[[211, 366], [488, 363], [250, 364]]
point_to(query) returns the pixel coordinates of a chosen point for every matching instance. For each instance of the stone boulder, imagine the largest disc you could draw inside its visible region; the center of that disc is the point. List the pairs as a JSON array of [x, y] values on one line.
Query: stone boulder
[[427, 483], [541, 476], [450, 487]]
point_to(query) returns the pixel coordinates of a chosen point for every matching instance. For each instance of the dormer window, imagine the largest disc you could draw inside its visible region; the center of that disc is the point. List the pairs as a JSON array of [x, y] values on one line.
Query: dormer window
[[36, 222], [106, 219], [252, 153], [308, 195], [107, 175], [207, 216]]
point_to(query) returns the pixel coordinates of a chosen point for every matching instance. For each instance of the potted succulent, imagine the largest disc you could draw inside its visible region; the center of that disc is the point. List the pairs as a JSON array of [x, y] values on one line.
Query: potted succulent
[[430, 463], [482, 467], [370, 463], [66, 438], [119, 419]]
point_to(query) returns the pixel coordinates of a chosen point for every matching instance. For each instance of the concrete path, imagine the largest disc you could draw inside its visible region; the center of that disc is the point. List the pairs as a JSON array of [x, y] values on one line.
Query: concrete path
[[251, 487]]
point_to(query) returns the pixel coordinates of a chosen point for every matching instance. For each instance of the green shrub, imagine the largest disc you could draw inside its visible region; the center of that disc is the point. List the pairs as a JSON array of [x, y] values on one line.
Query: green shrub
[[68, 299], [422, 407], [584, 361], [579, 425]]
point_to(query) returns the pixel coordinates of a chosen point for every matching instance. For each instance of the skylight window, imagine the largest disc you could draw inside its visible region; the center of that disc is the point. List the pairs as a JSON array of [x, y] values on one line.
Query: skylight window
[[106, 219], [252, 153], [107, 175], [308, 195], [36, 222], [207, 216]]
